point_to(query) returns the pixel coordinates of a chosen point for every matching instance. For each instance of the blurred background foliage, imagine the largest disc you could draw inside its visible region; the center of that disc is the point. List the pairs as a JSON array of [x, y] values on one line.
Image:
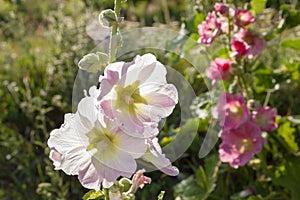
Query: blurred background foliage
[[41, 43]]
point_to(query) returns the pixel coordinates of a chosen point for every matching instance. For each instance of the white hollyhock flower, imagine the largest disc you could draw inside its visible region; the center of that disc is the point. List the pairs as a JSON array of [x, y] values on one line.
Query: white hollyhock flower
[[93, 147], [136, 95]]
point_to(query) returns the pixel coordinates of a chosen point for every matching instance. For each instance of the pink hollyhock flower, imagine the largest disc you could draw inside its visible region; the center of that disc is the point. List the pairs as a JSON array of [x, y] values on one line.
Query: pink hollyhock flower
[[265, 118], [243, 18], [209, 29], [239, 145], [224, 24], [136, 95], [221, 8], [219, 69], [232, 111], [239, 48], [247, 44], [139, 180], [155, 156], [94, 147]]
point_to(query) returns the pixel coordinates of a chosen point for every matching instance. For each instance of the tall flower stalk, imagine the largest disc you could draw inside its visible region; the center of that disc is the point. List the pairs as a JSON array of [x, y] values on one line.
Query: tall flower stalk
[[114, 31]]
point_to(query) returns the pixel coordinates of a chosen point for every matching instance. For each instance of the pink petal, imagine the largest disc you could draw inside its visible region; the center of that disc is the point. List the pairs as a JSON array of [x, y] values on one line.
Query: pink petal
[[90, 177]]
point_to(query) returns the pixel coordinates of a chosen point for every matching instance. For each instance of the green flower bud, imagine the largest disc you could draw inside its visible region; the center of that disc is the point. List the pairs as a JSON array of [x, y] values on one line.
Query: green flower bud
[[108, 18]]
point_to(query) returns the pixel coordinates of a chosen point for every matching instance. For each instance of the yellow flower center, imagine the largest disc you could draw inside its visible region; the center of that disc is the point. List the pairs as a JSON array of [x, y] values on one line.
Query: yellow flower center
[[236, 110], [245, 146], [128, 96], [107, 140]]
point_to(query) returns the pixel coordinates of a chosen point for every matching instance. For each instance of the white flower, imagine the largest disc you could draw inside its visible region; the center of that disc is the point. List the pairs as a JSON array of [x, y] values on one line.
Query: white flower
[[93, 147], [136, 95]]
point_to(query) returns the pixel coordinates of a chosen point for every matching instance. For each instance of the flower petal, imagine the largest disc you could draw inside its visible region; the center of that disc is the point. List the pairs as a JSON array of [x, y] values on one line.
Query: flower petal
[[158, 159], [146, 69]]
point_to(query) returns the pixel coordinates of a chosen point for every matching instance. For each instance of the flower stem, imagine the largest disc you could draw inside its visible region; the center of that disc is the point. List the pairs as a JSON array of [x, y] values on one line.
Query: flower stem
[[113, 32], [106, 193]]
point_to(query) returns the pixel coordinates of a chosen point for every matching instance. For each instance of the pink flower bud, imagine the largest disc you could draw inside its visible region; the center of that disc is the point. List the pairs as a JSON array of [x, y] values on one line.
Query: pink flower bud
[[138, 181], [221, 8], [243, 17]]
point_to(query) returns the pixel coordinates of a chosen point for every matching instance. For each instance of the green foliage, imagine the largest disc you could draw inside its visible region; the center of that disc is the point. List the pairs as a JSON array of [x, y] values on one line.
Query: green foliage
[[93, 62], [288, 174], [288, 134], [294, 44], [199, 187], [41, 45], [258, 6], [92, 194]]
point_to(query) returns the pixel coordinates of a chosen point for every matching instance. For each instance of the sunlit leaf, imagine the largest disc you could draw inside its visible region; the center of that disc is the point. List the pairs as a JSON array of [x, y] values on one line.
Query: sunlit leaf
[[294, 44], [287, 133], [258, 5], [93, 62], [93, 195]]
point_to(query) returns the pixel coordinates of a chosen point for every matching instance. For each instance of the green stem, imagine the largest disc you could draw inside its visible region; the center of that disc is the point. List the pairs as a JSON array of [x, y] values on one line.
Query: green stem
[[245, 86], [267, 98], [106, 193], [230, 26], [117, 8], [113, 32]]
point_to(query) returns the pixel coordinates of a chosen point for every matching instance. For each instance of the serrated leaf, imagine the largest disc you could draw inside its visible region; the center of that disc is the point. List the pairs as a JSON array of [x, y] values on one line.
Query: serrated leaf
[[258, 5], [93, 195], [287, 133], [293, 44], [93, 62]]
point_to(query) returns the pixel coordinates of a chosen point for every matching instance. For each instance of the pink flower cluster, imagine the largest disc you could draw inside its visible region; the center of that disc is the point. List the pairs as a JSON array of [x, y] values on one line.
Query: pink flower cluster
[[244, 43], [116, 125], [242, 129]]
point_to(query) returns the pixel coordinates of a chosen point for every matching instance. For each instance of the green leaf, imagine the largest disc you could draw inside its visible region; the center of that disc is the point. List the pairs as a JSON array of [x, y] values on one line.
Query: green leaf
[[294, 44], [188, 189], [192, 23], [200, 186], [191, 42], [290, 15], [258, 5], [287, 133], [289, 176], [92, 194], [93, 62]]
